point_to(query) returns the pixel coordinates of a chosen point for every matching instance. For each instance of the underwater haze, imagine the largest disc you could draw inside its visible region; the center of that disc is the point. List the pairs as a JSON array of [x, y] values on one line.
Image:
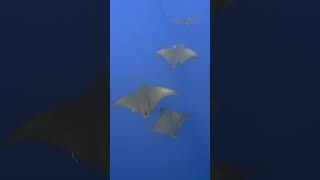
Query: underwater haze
[[138, 30]]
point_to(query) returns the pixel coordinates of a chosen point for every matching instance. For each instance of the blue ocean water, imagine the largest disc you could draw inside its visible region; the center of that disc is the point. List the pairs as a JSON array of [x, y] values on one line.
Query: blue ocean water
[[137, 30]]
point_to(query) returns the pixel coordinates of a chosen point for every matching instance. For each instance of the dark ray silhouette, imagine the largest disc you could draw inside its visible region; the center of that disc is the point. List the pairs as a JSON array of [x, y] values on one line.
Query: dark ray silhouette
[[80, 126]]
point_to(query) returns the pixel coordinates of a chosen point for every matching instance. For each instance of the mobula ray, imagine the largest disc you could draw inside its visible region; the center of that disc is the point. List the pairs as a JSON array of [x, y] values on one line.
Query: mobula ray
[[187, 21], [178, 54], [145, 99], [80, 126], [169, 122]]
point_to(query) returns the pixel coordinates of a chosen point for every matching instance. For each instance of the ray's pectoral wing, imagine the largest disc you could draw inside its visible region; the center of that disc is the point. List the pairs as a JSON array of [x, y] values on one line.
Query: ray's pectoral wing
[[168, 54], [169, 122], [79, 127], [178, 120], [156, 94], [180, 21], [128, 102], [187, 21], [136, 102], [181, 118], [164, 127], [49, 127], [194, 21], [188, 54]]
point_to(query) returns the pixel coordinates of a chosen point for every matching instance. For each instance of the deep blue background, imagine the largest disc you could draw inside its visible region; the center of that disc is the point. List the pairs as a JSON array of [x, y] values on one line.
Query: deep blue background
[[49, 51], [267, 73], [138, 29]]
